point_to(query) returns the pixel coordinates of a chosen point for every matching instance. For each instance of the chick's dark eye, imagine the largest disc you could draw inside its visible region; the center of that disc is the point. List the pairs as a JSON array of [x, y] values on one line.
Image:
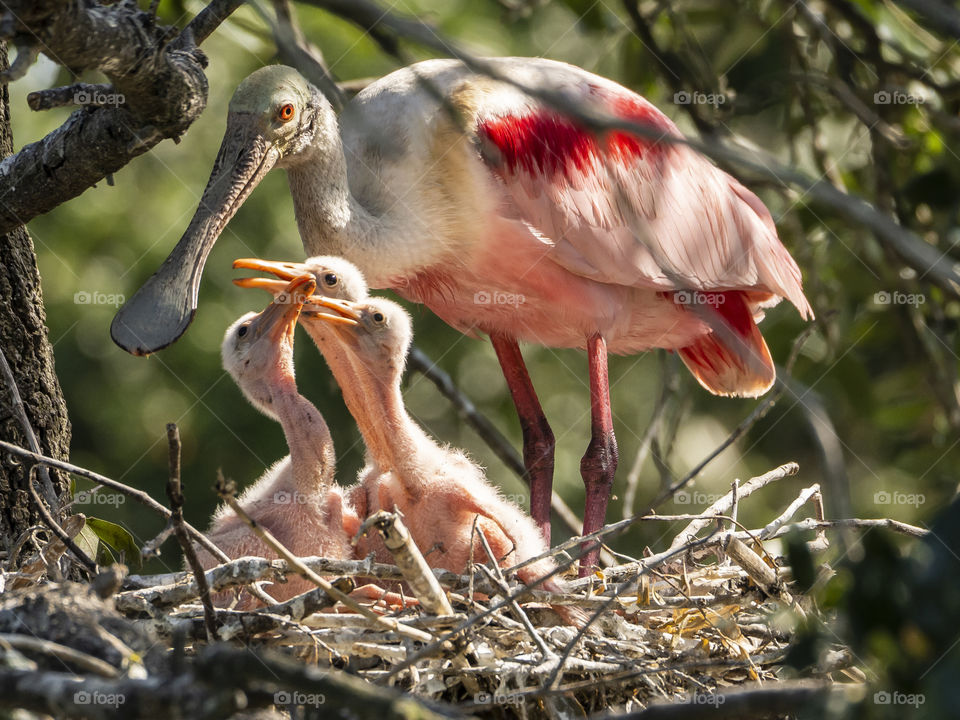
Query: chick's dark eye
[[330, 279], [378, 317], [243, 330]]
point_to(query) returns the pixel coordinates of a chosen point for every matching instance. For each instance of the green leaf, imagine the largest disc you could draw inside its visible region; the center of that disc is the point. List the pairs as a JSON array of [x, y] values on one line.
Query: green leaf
[[116, 537], [87, 540]]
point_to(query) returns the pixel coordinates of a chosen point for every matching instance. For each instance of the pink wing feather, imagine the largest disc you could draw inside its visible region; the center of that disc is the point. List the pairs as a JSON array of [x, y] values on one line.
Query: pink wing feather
[[627, 210]]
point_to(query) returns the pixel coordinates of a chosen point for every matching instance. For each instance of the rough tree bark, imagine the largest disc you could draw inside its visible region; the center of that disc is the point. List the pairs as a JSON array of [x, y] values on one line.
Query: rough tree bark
[[25, 343], [157, 89]]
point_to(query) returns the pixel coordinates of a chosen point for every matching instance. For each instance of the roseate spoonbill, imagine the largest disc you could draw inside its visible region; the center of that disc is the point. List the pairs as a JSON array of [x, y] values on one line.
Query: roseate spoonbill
[[296, 499], [506, 217], [439, 490]]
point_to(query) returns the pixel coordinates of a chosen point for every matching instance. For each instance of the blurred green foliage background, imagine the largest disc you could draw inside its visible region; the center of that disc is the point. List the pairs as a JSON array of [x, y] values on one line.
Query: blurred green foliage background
[[885, 373]]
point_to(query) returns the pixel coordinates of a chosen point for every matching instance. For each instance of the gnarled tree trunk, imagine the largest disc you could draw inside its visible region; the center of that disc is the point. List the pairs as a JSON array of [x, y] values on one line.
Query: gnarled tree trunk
[[25, 343]]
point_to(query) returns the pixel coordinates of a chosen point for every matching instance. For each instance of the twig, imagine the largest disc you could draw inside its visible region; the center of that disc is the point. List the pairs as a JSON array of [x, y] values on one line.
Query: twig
[[667, 388], [771, 527], [175, 493], [210, 18], [137, 495], [294, 49], [171, 589], [56, 529], [734, 500], [20, 413], [824, 434], [410, 560], [470, 622], [639, 567], [496, 576], [767, 701], [60, 652], [761, 573], [851, 523], [83, 94], [724, 504], [245, 624], [152, 546]]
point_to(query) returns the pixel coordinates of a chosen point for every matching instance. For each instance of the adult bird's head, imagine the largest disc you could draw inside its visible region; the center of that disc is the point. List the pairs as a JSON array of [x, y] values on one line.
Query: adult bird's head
[[276, 118], [257, 349], [377, 332]]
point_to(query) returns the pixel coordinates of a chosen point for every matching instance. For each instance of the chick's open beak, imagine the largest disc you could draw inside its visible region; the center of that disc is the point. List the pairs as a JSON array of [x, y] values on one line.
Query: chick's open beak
[[284, 271], [333, 311], [280, 317]]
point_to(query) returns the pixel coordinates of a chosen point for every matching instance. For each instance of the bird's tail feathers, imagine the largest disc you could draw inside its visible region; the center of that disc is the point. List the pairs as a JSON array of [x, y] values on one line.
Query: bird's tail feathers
[[737, 369]]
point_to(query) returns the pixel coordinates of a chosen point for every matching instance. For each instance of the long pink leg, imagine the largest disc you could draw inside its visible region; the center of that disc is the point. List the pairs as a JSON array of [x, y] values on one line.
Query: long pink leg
[[599, 463], [538, 442]]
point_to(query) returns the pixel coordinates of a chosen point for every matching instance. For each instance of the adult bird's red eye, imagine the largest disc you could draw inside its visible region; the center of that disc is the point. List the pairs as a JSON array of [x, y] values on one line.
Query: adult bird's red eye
[[286, 112]]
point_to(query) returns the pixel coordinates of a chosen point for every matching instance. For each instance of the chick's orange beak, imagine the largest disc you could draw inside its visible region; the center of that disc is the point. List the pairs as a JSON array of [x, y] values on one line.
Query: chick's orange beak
[[280, 317], [343, 312], [284, 271]]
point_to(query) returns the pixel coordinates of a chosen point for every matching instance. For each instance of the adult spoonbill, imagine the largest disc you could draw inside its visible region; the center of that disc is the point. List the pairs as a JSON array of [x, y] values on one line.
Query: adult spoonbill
[[296, 499], [439, 490], [505, 217]]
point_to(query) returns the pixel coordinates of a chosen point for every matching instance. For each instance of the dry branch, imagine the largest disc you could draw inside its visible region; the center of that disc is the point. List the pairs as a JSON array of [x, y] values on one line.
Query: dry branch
[[724, 504], [410, 560], [664, 630], [175, 493], [214, 686], [49, 494], [755, 703], [157, 89]]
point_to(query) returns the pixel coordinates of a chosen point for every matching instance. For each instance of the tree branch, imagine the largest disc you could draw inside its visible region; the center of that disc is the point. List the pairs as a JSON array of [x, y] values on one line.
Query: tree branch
[[175, 493], [158, 88]]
